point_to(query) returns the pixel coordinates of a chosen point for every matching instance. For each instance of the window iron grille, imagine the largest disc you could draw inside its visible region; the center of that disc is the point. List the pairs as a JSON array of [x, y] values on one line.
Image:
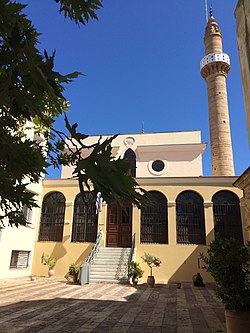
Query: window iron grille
[[154, 222], [19, 259], [85, 219], [227, 217], [190, 220], [52, 218]]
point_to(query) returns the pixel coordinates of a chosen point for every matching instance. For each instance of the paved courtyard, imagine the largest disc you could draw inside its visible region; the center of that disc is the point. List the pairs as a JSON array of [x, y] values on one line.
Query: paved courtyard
[[50, 305]]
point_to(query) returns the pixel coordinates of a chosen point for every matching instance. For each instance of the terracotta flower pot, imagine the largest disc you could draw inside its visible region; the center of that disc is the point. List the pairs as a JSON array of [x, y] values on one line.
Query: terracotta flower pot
[[134, 280], [151, 281], [237, 322], [51, 272], [74, 278], [178, 285]]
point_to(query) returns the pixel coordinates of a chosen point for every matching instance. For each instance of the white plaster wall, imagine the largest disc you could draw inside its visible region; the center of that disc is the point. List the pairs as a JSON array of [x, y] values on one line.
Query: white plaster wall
[[181, 151], [21, 238]]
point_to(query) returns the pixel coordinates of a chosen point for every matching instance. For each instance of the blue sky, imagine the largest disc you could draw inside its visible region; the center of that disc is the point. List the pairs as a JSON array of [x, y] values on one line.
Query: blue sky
[[141, 61]]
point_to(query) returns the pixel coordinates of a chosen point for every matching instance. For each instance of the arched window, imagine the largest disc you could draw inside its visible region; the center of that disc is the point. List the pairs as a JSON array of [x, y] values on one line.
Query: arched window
[[227, 218], [131, 158], [190, 221], [154, 220], [52, 218], [85, 219]]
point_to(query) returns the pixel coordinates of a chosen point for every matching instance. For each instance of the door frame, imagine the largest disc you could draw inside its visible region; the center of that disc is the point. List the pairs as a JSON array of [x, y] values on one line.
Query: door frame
[[119, 233]]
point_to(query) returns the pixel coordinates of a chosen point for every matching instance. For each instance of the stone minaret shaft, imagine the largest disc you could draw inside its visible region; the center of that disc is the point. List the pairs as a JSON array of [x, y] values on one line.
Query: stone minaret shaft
[[215, 67]]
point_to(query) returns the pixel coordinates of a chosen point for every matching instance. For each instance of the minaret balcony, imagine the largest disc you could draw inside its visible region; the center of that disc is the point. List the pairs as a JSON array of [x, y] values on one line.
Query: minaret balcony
[[214, 57]]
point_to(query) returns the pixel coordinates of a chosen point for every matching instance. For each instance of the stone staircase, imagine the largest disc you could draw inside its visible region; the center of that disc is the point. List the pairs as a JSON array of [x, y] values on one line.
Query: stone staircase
[[110, 265]]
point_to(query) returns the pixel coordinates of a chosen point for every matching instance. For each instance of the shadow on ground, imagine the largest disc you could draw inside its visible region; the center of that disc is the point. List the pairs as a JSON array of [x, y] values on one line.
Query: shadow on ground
[[112, 309]]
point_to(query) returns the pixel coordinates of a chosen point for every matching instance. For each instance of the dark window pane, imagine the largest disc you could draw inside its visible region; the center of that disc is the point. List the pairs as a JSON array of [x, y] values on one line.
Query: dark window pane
[[85, 219], [52, 218], [227, 217], [131, 158], [154, 220], [190, 221], [158, 165], [19, 259]]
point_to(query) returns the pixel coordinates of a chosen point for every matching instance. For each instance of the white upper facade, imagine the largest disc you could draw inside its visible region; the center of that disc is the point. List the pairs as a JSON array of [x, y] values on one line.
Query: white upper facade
[[166, 154]]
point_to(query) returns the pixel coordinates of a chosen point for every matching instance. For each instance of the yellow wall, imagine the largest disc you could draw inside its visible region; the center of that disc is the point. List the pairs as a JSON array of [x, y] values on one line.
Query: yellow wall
[[66, 252], [179, 261]]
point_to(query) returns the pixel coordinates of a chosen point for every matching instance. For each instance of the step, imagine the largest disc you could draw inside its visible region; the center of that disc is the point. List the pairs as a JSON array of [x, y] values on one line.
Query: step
[[94, 280], [110, 265], [108, 269], [108, 277], [109, 257], [107, 250], [115, 248], [103, 268], [115, 254], [108, 262]]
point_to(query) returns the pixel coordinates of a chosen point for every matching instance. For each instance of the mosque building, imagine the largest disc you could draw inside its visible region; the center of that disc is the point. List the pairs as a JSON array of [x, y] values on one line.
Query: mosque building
[[188, 210]]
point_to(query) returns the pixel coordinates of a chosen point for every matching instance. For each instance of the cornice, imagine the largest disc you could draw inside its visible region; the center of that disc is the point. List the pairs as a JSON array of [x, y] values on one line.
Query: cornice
[[180, 181], [60, 182], [161, 181]]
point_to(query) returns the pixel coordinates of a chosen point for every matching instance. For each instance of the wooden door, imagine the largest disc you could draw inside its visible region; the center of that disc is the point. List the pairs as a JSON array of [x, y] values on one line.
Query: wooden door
[[119, 225]]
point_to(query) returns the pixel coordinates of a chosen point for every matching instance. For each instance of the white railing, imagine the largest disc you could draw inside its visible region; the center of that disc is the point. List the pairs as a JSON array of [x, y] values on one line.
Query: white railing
[[84, 270], [132, 249], [95, 249], [213, 57]]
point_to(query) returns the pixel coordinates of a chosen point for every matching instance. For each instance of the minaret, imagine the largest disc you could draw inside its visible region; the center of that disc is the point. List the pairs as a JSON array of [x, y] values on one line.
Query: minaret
[[215, 67]]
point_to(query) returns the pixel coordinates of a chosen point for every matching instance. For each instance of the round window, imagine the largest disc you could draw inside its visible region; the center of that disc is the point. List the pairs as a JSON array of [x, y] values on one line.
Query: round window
[[158, 165]]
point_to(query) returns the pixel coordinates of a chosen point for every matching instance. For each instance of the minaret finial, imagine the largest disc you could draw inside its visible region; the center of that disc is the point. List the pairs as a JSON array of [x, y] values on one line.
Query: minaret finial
[[142, 129], [206, 10], [211, 11]]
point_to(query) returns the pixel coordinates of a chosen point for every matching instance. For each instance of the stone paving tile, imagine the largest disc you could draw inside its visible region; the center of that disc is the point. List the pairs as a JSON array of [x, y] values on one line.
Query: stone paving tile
[[50, 306], [198, 321]]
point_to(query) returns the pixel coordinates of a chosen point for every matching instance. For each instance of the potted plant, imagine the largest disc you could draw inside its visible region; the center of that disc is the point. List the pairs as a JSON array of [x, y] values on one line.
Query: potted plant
[[151, 261], [73, 272], [135, 272], [50, 262], [228, 261]]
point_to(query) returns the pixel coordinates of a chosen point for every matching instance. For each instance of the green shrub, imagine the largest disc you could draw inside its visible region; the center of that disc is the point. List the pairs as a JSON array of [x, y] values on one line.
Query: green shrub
[[135, 270], [228, 261], [49, 261], [74, 270], [151, 261]]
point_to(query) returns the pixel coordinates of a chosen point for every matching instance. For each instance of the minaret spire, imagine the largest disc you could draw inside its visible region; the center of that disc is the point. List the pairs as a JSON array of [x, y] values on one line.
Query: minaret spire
[[215, 67]]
